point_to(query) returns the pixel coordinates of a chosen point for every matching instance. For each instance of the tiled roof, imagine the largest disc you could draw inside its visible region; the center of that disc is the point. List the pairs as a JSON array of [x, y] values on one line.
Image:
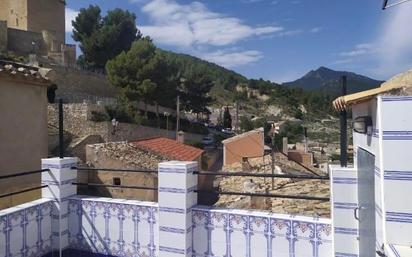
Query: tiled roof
[[17, 70], [243, 135], [170, 148]]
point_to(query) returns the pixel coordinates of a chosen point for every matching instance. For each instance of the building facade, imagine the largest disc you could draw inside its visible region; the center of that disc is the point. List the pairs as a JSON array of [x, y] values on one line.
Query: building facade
[[23, 130], [249, 144], [35, 27]]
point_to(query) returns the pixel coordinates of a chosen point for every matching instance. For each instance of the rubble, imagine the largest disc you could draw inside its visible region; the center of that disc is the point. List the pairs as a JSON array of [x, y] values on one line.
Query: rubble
[[282, 186], [131, 156]]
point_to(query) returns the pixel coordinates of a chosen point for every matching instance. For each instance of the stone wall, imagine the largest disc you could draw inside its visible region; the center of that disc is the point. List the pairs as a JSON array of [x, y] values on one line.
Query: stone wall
[[122, 156], [15, 13], [20, 41], [77, 122], [75, 85], [47, 15], [3, 35]]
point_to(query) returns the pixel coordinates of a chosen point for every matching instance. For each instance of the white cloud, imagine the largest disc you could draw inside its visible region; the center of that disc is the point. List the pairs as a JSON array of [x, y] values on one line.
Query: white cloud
[[360, 49], [70, 16], [193, 24], [394, 42], [230, 59], [250, 1], [315, 29]]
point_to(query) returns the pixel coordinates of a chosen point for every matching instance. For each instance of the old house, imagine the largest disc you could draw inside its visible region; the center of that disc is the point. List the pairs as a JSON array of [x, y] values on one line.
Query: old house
[[142, 154], [248, 144], [23, 130]]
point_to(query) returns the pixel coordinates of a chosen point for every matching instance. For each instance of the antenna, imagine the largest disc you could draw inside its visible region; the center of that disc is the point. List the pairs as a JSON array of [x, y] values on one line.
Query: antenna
[[386, 6]]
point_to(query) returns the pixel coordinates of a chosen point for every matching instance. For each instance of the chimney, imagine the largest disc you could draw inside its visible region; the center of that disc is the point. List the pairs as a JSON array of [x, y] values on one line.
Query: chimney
[[181, 137], [285, 149], [305, 132]]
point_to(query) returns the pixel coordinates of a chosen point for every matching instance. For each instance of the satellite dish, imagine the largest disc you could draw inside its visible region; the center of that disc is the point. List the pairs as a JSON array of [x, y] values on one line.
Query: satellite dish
[[387, 5]]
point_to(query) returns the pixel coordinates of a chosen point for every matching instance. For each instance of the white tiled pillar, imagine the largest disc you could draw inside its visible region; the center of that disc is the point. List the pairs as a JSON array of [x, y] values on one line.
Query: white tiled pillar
[[59, 180], [176, 199]]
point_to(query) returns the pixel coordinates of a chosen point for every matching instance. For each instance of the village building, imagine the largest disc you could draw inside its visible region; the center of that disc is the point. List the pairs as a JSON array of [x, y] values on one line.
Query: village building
[[32, 27], [142, 154], [249, 144], [23, 130]]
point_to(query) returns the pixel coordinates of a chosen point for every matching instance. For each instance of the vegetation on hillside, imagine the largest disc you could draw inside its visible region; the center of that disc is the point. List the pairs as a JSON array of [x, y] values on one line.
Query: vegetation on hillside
[[103, 38], [144, 72]]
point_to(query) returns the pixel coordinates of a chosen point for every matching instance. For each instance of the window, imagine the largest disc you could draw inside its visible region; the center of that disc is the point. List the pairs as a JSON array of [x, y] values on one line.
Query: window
[[117, 182], [17, 21]]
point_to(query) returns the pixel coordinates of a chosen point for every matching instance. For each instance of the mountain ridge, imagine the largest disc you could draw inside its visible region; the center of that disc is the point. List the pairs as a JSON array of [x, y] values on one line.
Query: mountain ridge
[[328, 80]]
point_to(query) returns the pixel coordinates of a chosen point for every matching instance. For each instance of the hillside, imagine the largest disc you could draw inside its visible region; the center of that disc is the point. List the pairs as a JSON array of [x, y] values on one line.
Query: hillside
[[220, 75], [328, 81]]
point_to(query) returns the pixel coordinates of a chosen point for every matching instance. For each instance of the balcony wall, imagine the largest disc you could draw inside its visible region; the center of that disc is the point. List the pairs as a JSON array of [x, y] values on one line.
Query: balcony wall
[[25, 230]]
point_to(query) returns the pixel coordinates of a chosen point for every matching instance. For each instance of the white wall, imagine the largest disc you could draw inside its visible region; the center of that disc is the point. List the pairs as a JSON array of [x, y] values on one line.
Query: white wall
[[25, 230]]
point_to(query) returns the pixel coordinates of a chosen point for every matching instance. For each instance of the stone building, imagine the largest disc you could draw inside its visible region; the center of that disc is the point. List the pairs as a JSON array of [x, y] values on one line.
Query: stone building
[[36, 27], [249, 144], [23, 130], [141, 154]]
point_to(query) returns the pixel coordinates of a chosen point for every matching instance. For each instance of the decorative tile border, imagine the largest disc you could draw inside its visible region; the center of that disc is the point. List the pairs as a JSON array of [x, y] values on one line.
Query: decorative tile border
[[113, 227], [31, 222], [237, 228], [400, 217], [398, 175], [397, 135], [347, 231], [341, 205], [347, 181], [396, 98]]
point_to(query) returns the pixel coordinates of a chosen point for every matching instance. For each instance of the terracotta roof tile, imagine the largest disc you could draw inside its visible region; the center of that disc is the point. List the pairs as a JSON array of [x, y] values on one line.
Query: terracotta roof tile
[[170, 148]]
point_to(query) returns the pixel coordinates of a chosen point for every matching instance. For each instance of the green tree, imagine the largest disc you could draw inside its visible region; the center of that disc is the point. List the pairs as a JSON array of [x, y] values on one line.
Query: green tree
[[227, 118], [136, 72], [195, 96], [103, 38]]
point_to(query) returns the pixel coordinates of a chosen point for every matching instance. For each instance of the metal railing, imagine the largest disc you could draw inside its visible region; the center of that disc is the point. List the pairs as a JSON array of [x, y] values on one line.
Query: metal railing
[[115, 170], [14, 175], [210, 173]]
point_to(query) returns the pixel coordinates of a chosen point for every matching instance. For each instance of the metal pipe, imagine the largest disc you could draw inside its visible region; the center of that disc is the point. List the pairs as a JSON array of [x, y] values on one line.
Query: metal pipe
[[386, 6], [23, 191], [115, 170], [61, 139], [115, 186], [264, 175], [23, 173], [343, 130], [314, 198]]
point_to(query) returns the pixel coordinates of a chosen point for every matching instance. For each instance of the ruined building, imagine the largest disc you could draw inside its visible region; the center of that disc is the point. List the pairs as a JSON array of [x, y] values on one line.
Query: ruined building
[[35, 27]]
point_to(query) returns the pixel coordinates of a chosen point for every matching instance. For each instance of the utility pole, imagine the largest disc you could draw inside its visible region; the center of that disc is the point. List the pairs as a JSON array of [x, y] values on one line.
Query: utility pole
[[343, 130], [237, 116], [182, 87], [273, 160], [275, 130], [177, 115]]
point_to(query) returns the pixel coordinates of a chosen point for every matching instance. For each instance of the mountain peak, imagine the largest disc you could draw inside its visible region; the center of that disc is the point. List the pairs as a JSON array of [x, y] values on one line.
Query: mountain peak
[[328, 80], [323, 68]]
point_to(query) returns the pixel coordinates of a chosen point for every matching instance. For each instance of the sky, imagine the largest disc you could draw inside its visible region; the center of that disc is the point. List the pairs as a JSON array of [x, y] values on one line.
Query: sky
[[277, 40]]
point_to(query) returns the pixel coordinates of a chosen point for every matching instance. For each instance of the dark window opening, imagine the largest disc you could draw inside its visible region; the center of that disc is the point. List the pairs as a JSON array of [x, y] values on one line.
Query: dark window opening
[[117, 182]]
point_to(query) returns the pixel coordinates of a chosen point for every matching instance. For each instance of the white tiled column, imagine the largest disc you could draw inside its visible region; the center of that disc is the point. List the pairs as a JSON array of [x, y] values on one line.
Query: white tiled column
[[59, 180], [176, 199]]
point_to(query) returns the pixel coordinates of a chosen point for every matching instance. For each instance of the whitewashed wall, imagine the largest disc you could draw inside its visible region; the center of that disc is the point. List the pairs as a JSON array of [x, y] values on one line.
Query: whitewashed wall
[[373, 144], [397, 168], [344, 195], [25, 230], [243, 233], [113, 226]]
